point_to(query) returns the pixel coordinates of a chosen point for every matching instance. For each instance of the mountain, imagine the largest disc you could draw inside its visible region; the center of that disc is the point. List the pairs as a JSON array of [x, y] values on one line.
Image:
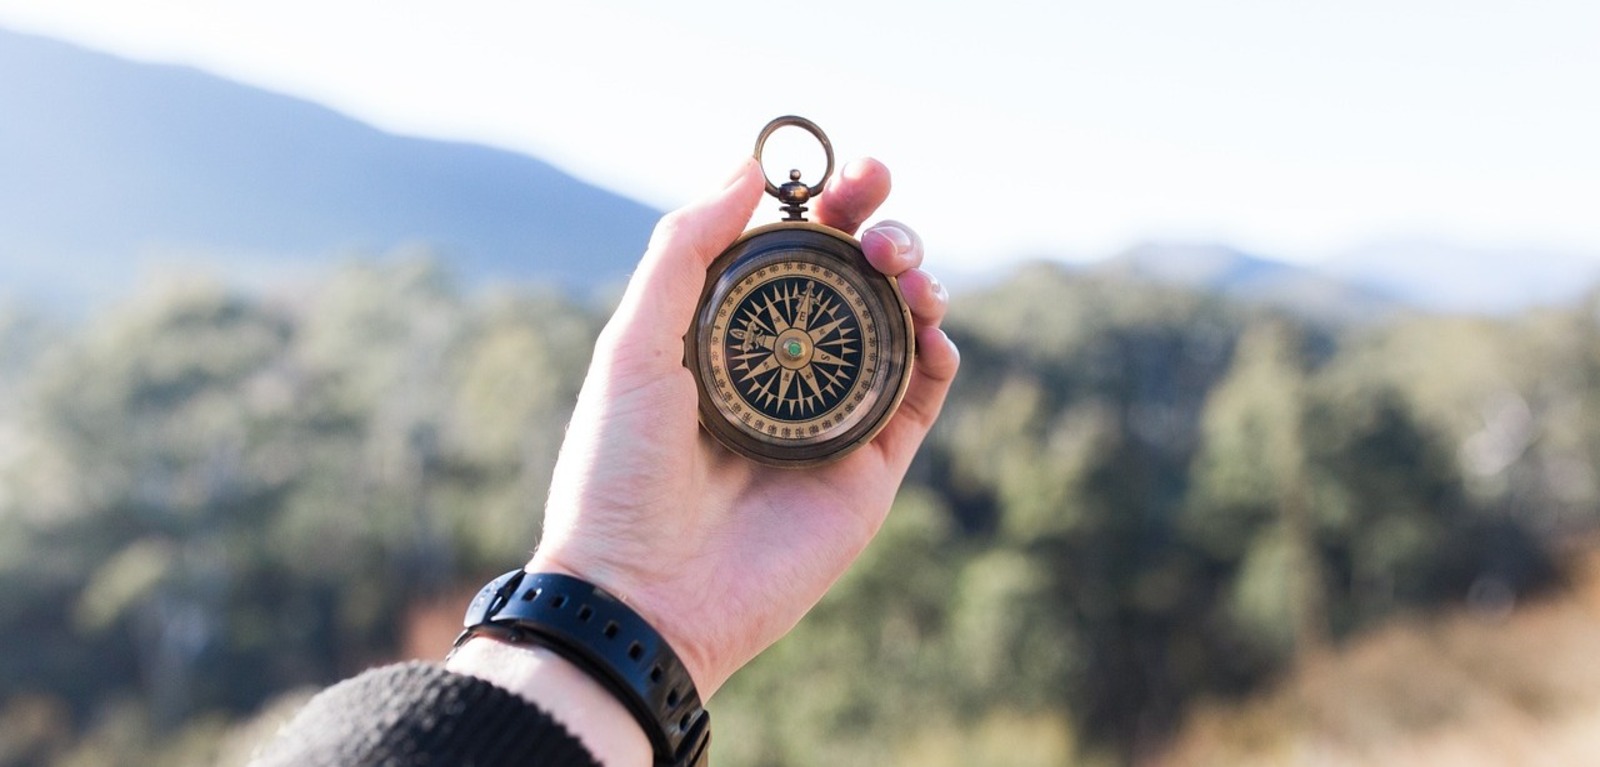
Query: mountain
[[1370, 282], [1243, 277], [109, 166], [1447, 277]]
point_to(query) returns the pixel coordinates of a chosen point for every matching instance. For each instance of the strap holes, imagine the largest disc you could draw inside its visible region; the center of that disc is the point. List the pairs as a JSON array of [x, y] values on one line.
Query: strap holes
[[635, 651], [531, 594], [672, 698], [655, 674], [585, 612], [559, 602], [611, 630], [683, 724]]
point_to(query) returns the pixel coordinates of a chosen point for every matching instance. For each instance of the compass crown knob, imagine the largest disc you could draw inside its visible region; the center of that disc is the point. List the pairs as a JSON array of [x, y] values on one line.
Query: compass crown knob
[[794, 196]]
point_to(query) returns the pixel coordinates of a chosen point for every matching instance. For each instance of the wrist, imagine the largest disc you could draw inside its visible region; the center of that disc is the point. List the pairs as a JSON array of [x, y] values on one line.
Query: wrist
[[607, 641], [588, 710], [645, 601]]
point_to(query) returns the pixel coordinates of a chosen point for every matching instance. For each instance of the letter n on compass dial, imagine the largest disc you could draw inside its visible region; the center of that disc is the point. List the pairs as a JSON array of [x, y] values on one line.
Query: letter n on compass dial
[[792, 343]]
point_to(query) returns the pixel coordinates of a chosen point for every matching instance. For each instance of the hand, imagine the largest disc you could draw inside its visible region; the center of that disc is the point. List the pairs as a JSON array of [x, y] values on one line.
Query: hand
[[723, 556]]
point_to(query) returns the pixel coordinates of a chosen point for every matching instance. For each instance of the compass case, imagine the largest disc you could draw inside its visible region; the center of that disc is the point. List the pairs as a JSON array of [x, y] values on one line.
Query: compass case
[[800, 348]]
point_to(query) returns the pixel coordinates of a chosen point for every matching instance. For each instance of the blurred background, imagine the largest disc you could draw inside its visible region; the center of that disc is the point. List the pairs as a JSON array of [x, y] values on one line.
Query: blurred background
[[1275, 440]]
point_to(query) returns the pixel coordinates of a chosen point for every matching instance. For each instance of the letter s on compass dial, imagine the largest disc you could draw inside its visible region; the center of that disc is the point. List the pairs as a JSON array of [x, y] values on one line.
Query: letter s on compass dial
[[800, 348]]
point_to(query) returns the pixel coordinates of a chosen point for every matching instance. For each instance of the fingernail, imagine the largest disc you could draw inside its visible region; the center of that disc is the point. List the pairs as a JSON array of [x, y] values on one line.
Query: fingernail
[[896, 236]]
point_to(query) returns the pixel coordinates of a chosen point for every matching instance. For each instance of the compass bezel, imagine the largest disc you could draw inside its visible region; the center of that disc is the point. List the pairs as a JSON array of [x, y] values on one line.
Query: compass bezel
[[885, 381]]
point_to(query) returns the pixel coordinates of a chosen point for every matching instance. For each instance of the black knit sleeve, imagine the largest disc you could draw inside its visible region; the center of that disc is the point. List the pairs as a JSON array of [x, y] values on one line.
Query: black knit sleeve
[[420, 715]]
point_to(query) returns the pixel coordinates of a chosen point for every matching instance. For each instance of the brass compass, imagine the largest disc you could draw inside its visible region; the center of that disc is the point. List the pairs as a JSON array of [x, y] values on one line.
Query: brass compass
[[801, 349]]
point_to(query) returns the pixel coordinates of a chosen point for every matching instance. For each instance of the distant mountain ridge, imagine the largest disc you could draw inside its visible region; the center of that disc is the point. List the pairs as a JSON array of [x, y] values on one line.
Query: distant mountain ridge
[[1446, 277], [108, 165], [1371, 282], [1243, 277], [111, 168]]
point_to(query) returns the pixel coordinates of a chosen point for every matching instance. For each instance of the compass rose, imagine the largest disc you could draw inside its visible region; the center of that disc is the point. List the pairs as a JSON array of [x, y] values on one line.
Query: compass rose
[[794, 349]]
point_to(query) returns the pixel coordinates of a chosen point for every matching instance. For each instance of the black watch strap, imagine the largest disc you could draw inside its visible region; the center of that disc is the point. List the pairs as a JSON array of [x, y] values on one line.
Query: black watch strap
[[598, 633]]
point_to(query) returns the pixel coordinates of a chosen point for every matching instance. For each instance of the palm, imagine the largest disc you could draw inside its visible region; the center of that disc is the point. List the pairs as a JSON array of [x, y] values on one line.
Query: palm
[[647, 505]]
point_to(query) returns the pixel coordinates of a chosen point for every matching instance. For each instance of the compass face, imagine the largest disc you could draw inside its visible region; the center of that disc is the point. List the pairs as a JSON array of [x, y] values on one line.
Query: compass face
[[790, 339], [801, 351]]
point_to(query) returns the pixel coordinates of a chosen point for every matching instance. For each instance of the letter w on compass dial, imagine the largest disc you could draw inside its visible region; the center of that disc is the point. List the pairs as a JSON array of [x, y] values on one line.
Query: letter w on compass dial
[[794, 349]]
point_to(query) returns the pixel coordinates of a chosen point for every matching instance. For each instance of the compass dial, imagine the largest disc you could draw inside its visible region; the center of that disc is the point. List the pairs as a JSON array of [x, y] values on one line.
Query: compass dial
[[791, 343], [801, 349]]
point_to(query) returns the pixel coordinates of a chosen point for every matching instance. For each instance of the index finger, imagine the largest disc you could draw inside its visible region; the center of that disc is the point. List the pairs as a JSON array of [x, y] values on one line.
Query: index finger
[[853, 195]]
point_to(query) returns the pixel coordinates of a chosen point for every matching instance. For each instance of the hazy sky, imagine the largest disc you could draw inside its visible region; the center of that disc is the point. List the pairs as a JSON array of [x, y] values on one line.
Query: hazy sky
[[1014, 128]]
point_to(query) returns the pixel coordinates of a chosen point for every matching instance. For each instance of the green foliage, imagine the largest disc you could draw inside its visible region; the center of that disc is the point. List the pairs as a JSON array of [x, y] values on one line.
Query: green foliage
[[1137, 497], [200, 488]]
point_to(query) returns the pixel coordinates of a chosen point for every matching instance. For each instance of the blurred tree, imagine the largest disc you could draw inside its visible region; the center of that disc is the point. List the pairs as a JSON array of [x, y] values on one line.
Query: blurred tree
[[1250, 502], [140, 486], [213, 485], [513, 392]]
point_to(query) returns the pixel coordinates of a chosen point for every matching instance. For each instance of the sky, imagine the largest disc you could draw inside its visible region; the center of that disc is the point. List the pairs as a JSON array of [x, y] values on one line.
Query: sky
[[1014, 129]]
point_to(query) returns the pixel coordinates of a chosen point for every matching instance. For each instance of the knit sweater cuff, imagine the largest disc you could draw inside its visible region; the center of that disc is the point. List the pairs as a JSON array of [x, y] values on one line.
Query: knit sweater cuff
[[418, 714]]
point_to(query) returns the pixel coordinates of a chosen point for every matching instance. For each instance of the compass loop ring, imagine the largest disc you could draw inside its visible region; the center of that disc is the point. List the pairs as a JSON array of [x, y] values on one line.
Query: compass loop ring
[[810, 127]]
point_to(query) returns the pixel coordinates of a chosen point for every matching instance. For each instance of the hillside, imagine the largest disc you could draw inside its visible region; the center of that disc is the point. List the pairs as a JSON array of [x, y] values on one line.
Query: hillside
[[109, 167], [1490, 684], [1138, 501]]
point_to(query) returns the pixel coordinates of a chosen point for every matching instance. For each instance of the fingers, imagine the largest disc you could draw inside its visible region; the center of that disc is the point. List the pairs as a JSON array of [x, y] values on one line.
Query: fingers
[[701, 230], [925, 296], [934, 370], [660, 299], [851, 197], [892, 247], [895, 249]]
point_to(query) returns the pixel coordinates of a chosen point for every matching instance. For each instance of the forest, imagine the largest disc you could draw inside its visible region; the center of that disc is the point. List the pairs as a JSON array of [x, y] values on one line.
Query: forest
[[1140, 500]]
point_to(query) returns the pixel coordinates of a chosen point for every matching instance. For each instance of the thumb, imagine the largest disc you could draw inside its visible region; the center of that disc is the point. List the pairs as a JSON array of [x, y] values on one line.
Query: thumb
[[660, 300]]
